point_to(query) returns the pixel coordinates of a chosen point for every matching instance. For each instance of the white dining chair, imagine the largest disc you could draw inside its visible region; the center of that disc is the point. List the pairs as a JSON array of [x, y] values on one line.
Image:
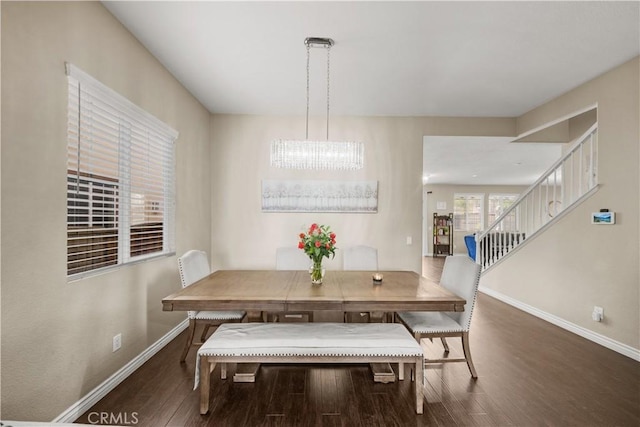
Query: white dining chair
[[291, 258], [461, 276], [193, 266], [360, 258]]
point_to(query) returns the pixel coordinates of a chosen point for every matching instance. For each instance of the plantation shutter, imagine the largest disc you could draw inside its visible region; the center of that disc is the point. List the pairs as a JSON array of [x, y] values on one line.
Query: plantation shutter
[[120, 179], [468, 210]]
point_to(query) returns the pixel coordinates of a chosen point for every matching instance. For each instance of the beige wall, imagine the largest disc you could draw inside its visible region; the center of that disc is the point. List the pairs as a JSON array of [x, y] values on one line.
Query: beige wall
[[565, 272], [56, 336], [445, 193], [393, 157]]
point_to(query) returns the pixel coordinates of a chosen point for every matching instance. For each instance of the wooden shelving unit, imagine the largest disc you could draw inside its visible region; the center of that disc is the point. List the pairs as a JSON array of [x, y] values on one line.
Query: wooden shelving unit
[[442, 234]]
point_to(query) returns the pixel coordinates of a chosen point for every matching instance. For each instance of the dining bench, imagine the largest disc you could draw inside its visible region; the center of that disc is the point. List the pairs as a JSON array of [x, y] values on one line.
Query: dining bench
[[308, 343]]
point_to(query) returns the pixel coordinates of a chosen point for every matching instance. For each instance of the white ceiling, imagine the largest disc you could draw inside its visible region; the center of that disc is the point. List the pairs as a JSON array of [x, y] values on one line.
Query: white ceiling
[[485, 160], [390, 58]]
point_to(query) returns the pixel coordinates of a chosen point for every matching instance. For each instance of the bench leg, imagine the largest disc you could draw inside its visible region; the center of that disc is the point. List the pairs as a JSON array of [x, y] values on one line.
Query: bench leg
[[205, 384], [419, 385]]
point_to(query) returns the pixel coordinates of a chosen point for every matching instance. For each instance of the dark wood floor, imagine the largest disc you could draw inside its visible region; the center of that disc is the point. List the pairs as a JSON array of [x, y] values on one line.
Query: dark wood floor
[[531, 373]]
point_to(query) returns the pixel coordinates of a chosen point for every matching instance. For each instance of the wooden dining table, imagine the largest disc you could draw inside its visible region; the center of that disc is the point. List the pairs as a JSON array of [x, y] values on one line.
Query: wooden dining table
[[279, 290], [262, 291]]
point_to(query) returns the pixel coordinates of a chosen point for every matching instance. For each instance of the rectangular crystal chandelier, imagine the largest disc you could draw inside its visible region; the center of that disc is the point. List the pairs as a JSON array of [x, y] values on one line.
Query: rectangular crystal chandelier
[[317, 155], [321, 155]]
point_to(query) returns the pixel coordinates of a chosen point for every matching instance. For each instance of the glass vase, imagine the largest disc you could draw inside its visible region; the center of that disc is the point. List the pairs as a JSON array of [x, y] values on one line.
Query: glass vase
[[317, 272]]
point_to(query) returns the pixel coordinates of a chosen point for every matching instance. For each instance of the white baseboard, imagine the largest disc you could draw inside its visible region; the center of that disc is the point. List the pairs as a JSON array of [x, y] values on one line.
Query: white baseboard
[[84, 404], [604, 341]]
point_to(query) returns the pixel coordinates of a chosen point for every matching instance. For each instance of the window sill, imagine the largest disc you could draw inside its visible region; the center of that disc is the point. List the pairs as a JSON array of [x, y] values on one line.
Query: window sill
[[99, 272]]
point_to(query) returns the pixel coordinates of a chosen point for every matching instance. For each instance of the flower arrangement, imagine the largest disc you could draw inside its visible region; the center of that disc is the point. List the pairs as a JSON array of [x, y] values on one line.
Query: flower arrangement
[[318, 242]]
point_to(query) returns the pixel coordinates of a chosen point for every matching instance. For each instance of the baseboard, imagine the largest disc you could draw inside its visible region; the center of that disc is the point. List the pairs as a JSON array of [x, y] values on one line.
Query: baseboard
[[604, 341], [84, 404]]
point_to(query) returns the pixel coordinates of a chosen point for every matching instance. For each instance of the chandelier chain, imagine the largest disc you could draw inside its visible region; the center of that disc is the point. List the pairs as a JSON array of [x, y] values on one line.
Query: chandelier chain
[[328, 83], [307, 127]]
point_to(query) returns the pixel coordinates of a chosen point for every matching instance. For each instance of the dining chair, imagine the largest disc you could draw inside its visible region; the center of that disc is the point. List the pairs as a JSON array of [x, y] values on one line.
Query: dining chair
[[291, 258], [461, 276], [193, 266], [360, 258]]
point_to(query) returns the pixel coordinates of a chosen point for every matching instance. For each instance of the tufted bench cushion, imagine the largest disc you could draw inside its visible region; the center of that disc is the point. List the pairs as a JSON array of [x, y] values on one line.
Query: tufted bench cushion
[[308, 343]]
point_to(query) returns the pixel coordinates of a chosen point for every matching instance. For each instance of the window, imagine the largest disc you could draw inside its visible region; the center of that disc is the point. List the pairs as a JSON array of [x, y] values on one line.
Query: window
[[498, 204], [468, 212], [120, 173]]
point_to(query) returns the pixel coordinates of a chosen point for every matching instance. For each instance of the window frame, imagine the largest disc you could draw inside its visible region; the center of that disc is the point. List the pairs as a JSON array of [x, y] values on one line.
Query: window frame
[[468, 196], [141, 141], [516, 211]]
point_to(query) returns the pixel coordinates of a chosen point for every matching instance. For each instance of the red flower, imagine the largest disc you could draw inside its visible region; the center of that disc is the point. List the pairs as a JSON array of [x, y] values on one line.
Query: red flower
[[318, 242]]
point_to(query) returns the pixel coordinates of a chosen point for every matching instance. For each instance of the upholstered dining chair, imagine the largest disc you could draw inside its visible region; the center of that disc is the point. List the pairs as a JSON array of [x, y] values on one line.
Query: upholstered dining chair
[[193, 266], [291, 258], [461, 276], [360, 258]]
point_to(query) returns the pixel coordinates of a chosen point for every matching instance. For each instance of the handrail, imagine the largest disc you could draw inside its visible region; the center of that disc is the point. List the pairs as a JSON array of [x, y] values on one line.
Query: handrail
[[562, 176]]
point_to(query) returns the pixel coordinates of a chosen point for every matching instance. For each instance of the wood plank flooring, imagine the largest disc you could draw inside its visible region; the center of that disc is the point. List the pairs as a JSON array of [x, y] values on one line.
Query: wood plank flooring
[[531, 373]]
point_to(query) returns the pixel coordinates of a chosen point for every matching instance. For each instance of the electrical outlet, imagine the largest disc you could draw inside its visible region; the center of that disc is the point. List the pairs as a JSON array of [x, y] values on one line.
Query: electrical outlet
[[597, 314], [409, 240], [117, 342]]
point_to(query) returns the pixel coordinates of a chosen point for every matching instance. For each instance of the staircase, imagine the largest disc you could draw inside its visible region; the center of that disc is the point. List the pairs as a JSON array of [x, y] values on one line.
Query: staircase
[[567, 182]]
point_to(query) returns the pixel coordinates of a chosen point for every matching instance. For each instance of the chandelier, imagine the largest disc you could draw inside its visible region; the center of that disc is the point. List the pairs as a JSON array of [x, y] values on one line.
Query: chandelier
[[319, 155]]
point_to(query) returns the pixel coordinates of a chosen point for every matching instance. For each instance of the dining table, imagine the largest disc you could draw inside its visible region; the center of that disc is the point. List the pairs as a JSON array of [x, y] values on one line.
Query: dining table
[[259, 292]]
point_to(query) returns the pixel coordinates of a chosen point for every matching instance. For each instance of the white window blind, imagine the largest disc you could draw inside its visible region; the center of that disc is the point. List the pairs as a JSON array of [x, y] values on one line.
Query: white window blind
[[120, 179], [468, 210]]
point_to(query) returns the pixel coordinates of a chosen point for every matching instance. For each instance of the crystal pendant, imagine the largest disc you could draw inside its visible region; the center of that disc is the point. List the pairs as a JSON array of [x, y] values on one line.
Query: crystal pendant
[[317, 155]]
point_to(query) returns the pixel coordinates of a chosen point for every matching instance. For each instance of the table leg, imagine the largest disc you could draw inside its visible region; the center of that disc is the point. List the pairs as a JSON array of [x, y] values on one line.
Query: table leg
[[377, 317], [255, 316], [246, 372], [382, 373]]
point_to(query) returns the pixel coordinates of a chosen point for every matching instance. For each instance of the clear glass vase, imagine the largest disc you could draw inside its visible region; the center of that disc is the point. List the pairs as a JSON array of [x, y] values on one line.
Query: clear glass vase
[[317, 272]]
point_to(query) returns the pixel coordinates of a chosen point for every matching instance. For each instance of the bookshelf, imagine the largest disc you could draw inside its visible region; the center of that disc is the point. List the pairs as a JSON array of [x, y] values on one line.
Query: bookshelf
[[442, 234]]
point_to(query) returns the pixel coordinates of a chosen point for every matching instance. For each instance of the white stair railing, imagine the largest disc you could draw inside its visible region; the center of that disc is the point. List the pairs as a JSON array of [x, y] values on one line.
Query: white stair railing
[[566, 182]]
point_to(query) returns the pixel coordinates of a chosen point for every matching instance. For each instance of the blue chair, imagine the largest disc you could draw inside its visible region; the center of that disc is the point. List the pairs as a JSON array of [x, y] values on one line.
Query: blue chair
[[470, 241]]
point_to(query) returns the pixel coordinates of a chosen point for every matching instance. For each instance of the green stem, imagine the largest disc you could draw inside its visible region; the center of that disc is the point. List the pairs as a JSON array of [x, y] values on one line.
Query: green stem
[[316, 270]]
